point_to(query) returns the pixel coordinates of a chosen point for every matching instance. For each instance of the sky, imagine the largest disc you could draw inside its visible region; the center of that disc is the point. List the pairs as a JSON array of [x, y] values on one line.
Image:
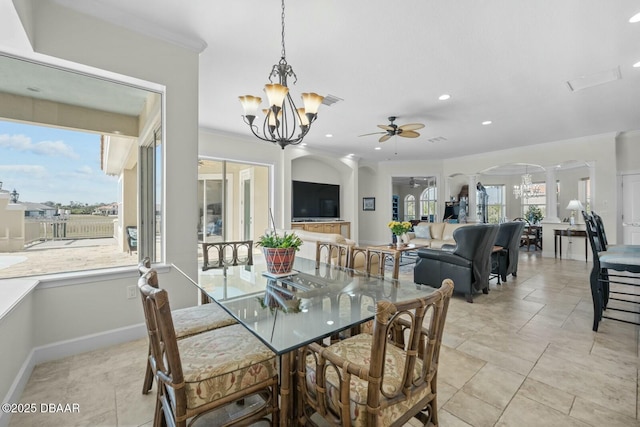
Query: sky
[[50, 164]]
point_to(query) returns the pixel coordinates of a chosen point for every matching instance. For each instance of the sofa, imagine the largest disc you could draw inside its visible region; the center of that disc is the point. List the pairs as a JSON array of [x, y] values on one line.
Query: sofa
[[434, 234]]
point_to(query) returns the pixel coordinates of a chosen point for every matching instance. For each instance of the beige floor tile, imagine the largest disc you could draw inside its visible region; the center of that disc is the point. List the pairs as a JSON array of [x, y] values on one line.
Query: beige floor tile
[[445, 392], [595, 386], [133, 407], [523, 412], [494, 385], [447, 420], [482, 351], [597, 415], [456, 368], [547, 395], [593, 362], [472, 410]]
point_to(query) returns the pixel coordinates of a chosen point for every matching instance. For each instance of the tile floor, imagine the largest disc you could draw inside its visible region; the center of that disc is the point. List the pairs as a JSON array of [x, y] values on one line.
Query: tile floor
[[522, 355]]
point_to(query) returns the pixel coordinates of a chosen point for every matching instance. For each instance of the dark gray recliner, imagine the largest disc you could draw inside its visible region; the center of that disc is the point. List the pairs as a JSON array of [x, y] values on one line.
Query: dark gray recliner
[[505, 262], [468, 263]]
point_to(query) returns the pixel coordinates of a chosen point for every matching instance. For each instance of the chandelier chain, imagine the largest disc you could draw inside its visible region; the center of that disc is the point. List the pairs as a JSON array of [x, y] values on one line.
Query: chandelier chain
[[284, 55]]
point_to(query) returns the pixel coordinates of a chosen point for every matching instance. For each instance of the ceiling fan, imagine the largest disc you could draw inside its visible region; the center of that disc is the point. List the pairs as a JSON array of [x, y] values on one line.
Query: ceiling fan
[[392, 129], [413, 183]]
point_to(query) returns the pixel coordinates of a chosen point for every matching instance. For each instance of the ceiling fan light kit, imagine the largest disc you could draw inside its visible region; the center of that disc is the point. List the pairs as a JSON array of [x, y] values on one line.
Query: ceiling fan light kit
[[392, 129], [282, 118]]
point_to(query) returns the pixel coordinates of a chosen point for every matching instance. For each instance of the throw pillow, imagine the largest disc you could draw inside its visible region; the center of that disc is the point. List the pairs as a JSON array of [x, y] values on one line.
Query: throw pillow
[[422, 231]]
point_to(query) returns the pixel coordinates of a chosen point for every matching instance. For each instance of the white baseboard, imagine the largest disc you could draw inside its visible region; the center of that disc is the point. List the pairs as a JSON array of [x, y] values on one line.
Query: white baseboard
[[62, 349]]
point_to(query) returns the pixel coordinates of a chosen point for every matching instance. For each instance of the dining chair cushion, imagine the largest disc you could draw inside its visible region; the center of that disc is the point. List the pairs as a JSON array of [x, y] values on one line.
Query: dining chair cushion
[[200, 318], [357, 350], [218, 363], [620, 261]]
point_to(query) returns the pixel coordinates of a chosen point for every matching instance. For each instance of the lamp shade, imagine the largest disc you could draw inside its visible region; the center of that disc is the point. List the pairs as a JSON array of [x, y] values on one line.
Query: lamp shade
[[575, 205]]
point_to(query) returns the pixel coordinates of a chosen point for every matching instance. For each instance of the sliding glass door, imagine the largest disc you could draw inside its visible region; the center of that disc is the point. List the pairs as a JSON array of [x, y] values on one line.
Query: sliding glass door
[[233, 208]]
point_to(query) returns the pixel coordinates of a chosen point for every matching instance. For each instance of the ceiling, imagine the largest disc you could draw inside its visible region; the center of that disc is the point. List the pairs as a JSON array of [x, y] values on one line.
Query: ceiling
[[507, 61]]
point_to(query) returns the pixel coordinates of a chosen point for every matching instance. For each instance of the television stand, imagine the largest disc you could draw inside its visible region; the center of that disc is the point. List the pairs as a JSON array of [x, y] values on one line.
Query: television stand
[[324, 226]]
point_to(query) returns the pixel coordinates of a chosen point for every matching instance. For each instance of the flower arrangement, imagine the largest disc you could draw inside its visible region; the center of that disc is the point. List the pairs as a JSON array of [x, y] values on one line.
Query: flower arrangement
[[534, 214], [399, 228]]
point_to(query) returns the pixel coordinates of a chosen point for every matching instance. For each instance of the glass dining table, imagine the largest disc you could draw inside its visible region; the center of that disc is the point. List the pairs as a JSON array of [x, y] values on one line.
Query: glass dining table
[[312, 303]]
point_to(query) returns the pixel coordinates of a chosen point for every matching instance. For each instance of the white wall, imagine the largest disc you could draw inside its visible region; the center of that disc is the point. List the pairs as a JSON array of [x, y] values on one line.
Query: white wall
[[99, 305], [628, 152], [379, 186]]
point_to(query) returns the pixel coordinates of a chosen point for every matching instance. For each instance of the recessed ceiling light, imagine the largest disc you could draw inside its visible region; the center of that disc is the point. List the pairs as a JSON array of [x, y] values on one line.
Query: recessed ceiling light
[[444, 97], [635, 18], [486, 122], [304, 144], [329, 135], [378, 148], [636, 65], [350, 155]]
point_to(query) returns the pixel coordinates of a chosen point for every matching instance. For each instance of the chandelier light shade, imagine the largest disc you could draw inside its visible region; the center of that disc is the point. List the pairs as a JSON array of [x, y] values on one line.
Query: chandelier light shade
[[526, 189], [284, 123]]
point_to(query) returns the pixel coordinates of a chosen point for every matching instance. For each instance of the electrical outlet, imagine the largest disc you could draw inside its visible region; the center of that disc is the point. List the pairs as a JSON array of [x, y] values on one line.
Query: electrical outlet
[[131, 292]]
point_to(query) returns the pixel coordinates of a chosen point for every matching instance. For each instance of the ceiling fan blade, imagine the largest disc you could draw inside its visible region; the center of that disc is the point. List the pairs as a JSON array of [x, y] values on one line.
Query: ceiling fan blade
[[374, 133], [409, 134], [411, 126], [385, 127], [383, 138]]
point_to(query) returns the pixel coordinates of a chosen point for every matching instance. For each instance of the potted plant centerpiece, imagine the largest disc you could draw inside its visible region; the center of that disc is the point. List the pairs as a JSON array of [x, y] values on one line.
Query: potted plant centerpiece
[[279, 250], [399, 228]]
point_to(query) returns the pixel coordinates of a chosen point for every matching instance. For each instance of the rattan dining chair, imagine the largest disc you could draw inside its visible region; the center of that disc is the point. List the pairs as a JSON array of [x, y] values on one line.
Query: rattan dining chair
[[206, 371], [376, 260], [186, 321], [225, 254], [332, 253], [221, 254], [374, 380]]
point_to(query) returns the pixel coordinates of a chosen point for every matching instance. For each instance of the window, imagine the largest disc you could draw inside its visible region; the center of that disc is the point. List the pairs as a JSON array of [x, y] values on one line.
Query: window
[[85, 173], [409, 207], [496, 205], [539, 201], [429, 202]]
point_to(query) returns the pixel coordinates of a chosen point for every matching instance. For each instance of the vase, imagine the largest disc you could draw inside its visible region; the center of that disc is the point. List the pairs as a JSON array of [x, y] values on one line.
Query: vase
[[279, 260], [405, 238]]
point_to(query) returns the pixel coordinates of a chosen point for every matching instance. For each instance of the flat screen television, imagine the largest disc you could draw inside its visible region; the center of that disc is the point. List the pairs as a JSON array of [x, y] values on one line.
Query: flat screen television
[[312, 200]]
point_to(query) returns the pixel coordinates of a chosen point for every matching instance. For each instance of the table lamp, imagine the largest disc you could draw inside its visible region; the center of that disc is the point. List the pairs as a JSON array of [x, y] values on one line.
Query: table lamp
[[573, 206]]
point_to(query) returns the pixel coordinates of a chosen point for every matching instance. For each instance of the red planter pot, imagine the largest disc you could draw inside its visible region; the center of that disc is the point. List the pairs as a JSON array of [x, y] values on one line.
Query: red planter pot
[[279, 260]]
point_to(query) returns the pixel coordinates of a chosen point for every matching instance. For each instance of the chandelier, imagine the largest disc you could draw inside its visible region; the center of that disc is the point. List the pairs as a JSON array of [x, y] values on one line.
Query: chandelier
[[282, 118], [526, 189]]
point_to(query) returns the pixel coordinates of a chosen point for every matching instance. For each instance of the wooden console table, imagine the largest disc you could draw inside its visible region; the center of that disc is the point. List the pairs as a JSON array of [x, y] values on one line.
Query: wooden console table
[[558, 234]]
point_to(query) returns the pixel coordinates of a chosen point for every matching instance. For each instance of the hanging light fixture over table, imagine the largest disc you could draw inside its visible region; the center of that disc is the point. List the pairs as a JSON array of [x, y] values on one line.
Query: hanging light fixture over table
[[282, 118]]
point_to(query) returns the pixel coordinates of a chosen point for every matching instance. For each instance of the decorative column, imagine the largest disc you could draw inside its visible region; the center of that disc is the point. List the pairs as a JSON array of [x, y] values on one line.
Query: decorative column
[[552, 197], [473, 202]]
